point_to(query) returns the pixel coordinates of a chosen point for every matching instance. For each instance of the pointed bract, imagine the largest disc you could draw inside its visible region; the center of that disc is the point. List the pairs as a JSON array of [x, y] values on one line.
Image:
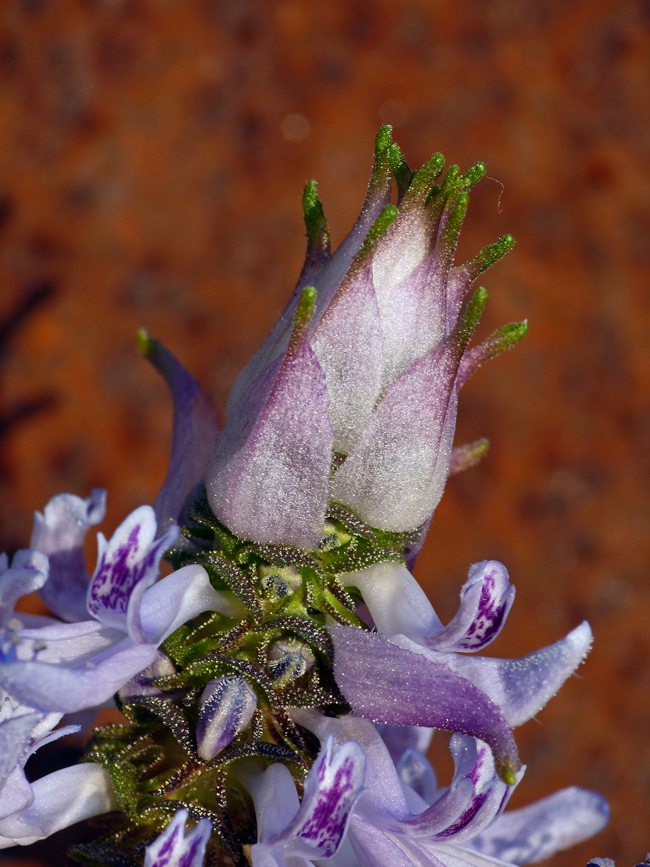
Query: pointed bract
[[196, 427], [268, 479]]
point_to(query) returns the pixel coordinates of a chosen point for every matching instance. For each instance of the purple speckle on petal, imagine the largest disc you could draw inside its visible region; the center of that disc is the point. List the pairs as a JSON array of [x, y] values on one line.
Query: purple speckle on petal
[[327, 821], [166, 851], [489, 617]]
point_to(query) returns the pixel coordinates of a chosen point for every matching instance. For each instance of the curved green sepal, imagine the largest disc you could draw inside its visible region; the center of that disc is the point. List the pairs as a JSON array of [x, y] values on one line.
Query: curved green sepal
[[488, 256], [401, 172], [316, 228]]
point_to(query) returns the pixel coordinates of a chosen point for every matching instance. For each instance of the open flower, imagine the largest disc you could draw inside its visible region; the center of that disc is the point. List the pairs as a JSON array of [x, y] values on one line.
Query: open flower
[[403, 818], [406, 673], [66, 667], [33, 811], [294, 832]]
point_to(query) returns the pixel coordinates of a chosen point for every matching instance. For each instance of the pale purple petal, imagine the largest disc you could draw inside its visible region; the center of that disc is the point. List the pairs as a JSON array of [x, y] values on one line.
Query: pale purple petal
[[268, 479], [130, 557], [539, 830], [412, 314], [59, 532], [520, 687], [331, 789], [50, 687], [28, 572], [275, 798], [16, 795], [385, 683], [15, 740], [60, 799], [399, 739], [226, 707], [173, 848], [395, 475], [350, 324], [415, 771], [196, 427], [395, 600], [485, 600]]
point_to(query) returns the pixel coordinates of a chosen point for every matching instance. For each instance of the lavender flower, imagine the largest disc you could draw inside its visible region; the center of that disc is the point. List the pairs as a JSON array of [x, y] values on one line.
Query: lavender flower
[[314, 829], [361, 373], [402, 817], [67, 667], [417, 650], [30, 812]]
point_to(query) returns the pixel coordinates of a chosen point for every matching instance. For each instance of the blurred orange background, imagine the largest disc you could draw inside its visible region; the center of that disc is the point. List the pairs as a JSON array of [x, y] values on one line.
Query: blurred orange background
[[152, 157]]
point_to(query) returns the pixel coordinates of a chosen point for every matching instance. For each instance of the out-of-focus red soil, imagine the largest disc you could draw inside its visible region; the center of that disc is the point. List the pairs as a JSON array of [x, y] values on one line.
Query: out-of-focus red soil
[[152, 156]]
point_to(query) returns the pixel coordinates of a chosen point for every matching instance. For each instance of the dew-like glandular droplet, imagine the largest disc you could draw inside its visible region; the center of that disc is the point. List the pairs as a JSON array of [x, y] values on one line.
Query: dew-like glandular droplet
[[225, 709]]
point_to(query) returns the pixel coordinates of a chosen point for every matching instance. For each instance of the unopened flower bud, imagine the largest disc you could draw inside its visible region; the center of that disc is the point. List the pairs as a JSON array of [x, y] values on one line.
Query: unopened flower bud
[[226, 707], [289, 658]]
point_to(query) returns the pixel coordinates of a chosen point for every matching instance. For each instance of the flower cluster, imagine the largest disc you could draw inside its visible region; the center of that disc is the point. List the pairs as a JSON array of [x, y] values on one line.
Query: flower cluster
[[280, 686]]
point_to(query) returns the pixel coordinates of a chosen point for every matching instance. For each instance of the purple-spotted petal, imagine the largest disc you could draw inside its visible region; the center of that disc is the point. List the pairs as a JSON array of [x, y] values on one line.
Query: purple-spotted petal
[[485, 600], [174, 848], [385, 683], [332, 787], [28, 572], [59, 532], [130, 557], [268, 479], [196, 427], [539, 830], [226, 707], [474, 762], [394, 477]]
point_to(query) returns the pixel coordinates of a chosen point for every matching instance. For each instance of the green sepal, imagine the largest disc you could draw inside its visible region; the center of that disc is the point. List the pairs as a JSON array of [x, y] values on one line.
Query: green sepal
[[169, 714], [375, 234], [302, 317], [422, 181], [380, 176], [317, 231], [506, 337], [471, 317], [400, 169], [471, 177], [453, 223], [235, 579], [316, 636], [488, 256]]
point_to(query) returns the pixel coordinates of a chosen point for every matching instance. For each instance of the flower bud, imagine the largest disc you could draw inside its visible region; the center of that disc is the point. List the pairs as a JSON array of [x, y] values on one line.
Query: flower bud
[[226, 707]]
